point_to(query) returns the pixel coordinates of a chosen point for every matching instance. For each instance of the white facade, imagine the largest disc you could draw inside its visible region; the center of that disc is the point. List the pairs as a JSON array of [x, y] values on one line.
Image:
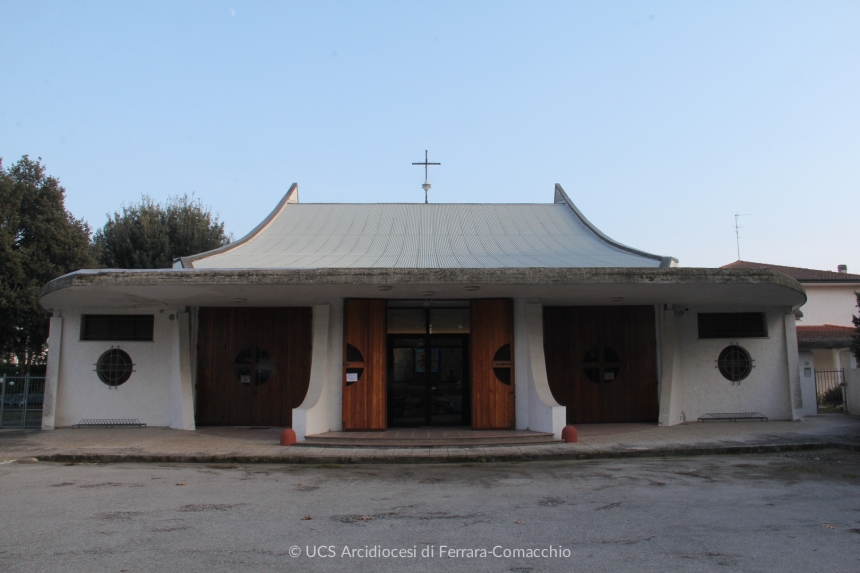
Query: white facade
[[829, 304], [159, 392], [692, 385], [536, 255]]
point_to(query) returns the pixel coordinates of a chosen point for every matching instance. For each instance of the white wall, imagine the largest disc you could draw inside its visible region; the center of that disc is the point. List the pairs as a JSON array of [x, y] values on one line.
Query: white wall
[[145, 396], [703, 389], [829, 304]]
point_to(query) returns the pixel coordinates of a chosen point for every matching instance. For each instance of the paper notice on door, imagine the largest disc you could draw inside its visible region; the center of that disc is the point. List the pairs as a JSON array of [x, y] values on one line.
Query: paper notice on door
[[352, 376]]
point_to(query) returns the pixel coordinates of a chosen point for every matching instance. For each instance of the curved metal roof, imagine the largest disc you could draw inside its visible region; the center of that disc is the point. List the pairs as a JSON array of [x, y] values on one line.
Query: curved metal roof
[[424, 236]]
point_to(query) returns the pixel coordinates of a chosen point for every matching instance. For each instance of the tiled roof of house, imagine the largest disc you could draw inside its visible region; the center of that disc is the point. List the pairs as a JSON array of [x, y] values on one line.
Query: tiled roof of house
[[826, 336], [800, 274]]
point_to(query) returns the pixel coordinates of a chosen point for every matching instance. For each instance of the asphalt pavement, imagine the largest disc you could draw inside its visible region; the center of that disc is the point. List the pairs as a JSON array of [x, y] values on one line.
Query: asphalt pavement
[[792, 511]]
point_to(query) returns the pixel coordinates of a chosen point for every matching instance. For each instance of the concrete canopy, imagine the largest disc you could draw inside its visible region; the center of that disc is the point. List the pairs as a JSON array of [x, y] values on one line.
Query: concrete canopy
[[170, 288]]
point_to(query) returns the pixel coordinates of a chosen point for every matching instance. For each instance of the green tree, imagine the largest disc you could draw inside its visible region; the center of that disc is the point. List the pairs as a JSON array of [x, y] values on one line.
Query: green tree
[[39, 241], [149, 235]]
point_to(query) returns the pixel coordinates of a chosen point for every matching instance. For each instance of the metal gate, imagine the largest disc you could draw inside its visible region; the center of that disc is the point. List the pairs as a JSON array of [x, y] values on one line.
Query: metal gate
[[21, 400], [830, 390]]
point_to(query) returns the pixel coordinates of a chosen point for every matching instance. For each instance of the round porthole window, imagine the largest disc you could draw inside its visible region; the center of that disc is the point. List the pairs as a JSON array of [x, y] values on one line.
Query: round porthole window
[[250, 365], [114, 367], [735, 363], [601, 365]]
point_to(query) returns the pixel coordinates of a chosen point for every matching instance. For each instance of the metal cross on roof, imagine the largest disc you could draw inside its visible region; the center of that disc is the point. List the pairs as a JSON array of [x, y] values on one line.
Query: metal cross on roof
[[426, 185]]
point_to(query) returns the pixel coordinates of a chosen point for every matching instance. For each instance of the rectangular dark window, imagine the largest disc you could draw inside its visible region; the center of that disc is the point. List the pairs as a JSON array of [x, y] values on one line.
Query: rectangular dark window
[[117, 327], [732, 325]]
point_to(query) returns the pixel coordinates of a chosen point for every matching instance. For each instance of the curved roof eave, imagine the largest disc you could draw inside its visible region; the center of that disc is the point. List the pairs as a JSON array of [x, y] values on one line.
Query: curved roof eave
[[292, 196], [562, 197]]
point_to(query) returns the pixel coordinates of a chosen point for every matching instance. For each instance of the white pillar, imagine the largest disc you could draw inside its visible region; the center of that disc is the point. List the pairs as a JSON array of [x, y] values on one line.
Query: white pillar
[[536, 408], [321, 410], [181, 415], [671, 385], [852, 389], [52, 374], [795, 392]]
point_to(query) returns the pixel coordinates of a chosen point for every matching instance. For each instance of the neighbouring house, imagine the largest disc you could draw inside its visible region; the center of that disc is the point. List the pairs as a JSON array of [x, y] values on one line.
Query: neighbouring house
[[371, 316], [824, 333]]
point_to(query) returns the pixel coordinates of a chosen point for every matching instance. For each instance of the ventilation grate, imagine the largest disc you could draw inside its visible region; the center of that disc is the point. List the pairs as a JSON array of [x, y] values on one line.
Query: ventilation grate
[[733, 417], [110, 423]]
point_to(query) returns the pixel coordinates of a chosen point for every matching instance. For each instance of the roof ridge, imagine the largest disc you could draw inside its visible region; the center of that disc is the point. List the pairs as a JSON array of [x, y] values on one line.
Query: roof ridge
[[823, 275]]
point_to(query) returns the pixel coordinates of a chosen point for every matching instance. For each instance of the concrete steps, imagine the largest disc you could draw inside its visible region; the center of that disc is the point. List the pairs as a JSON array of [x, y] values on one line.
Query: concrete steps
[[367, 440]]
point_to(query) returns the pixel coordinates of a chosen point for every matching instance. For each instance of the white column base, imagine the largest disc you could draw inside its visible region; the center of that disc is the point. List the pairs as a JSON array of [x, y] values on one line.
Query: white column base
[[321, 409], [536, 408], [52, 374], [181, 416]]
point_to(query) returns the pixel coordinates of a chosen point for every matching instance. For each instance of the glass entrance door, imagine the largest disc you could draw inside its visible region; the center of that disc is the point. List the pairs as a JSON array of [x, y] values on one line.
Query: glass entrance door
[[428, 367]]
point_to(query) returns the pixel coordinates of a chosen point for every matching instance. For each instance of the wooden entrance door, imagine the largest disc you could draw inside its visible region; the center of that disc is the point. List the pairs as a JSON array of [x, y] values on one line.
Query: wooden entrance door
[[492, 324], [602, 362], [364, 364], [253, 365]]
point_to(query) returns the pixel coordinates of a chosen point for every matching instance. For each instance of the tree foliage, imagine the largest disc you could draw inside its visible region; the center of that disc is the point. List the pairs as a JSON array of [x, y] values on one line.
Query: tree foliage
[[149, 235], [39, 241]]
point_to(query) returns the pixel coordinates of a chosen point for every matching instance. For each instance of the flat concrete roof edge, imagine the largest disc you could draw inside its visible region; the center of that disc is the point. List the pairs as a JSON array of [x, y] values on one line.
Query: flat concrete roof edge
[[376, 276]]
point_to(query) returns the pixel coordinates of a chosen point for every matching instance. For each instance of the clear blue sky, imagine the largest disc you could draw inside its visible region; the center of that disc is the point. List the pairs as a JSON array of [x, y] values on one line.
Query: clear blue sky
[[660, 119]]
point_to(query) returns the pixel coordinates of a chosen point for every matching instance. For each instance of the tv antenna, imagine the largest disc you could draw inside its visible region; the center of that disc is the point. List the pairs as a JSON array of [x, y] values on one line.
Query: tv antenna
[[737, 232], [426, 185]]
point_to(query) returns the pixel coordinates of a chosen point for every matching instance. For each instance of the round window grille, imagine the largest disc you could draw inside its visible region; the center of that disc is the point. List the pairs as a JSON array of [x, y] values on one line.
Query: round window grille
[[244, 366], [601, 365], [354, 364], [114, 367], [735, 363], [502, 364]]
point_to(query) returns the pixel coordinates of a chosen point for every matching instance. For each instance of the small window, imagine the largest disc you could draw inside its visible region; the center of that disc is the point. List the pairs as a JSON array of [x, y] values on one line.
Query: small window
[[114, 367], [253, 364], [732, 325], [118, 327], [735, 363], [601, 365]]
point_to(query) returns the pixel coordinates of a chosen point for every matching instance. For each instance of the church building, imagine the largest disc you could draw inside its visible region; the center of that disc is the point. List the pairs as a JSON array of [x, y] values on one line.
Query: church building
[[330, 317]]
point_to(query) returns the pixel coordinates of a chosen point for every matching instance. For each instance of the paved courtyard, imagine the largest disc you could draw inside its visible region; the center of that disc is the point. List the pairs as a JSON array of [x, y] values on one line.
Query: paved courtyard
[[250, 445], [793, 511]]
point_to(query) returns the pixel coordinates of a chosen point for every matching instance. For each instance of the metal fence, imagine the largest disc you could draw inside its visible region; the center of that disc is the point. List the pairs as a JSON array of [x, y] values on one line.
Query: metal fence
[[21, 400], [830, 390]]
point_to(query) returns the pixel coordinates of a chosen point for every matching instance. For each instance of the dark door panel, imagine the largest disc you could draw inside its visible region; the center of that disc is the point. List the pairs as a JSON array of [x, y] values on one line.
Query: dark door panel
[[602, 362], [253, 365], [428, 380]]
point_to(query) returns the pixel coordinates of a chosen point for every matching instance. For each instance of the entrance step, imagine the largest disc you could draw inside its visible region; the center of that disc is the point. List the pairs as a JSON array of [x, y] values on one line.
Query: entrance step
[[428, 438]]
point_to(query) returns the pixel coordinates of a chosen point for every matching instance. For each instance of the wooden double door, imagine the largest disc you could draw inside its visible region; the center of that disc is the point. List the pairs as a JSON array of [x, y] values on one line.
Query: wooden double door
[[601, 362], [253, 365], [365, 364]]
